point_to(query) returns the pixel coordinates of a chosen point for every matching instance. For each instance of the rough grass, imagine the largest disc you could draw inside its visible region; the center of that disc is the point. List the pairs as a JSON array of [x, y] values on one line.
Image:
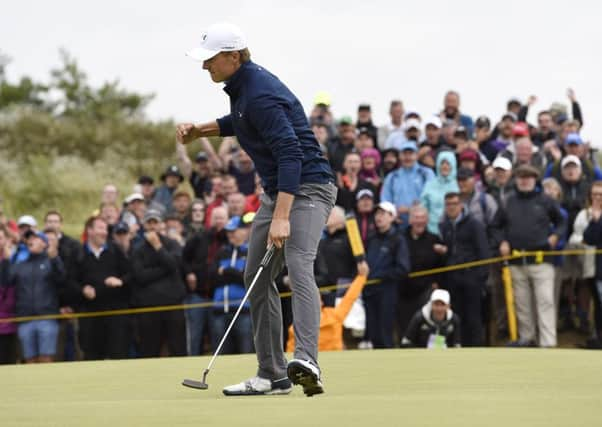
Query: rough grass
[[468, 387]]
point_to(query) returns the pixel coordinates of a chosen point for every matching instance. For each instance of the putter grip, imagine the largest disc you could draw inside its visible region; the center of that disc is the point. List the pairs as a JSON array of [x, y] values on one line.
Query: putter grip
[[268, 256]]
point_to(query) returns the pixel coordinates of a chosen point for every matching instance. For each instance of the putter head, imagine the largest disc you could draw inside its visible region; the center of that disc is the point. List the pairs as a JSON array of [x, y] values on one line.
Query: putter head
[[199, 385]]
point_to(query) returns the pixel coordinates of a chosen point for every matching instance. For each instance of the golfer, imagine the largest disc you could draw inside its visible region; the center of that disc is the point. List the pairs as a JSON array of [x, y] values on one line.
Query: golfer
[[299, 193]]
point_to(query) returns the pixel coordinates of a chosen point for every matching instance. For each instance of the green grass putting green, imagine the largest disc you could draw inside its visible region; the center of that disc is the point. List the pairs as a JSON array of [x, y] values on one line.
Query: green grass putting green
[[466, 387]]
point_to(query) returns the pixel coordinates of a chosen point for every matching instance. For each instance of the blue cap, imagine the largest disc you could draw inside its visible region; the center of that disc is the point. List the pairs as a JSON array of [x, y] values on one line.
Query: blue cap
[[37, 234], [408, 145], [240, 221], [233, 224], [573, 138]]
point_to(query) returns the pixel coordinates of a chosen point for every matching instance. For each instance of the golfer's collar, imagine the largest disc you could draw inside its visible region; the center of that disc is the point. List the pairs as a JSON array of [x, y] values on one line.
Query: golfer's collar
[[234, 83]]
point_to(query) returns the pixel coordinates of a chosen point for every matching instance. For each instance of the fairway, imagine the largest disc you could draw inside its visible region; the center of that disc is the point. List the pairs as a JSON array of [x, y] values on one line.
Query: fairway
[[467, 387]]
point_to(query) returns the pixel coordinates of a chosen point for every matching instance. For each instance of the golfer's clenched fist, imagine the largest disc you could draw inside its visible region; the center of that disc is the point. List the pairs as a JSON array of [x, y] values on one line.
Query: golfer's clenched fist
[[187, 132], [280, 230]]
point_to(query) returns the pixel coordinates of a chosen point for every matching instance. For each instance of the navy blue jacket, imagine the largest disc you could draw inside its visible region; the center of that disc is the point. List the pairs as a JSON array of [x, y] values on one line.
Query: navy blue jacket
[[272, 128], [37, 280], [388, 257]]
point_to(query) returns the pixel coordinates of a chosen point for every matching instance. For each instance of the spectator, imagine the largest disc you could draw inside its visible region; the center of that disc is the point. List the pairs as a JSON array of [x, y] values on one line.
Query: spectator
[[503, 139], [502, 183], [224, 187], [575, 188], [432, 144], [390, 161], [342, 144], [434, 191], [147, 188], [206, 162], [172, 178], [451, 112], [332, 318], [403, 187], [241, 167], [364, 209], [122, 238], [217, 234], [350, 182], [481, 205], [236, 204], [181, 205], [36, 281], [102, 275], [592, 235], [196, 220], [412, 128], [194, 258], [573, 145], [426, 252], [25, 224], [482, 132], [133, 214], [320, 131], [321, 112], [8, 331], [69, 248], [364, 121], [370, 167], [253, 200], [174, 229], [110, 194], [388, 258], [110, 213], [545, 130], [532, 281], [229, 288], [465, 240], [335, 263], [364, 140], [396, 114], [435, 325], [157, 278]]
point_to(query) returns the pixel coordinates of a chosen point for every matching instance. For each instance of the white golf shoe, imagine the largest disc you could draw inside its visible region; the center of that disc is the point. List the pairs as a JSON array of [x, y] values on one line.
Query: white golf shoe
[[259, 386]]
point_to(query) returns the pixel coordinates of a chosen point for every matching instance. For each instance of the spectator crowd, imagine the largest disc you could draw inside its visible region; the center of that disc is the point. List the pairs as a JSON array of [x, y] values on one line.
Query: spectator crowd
[[427, 191]]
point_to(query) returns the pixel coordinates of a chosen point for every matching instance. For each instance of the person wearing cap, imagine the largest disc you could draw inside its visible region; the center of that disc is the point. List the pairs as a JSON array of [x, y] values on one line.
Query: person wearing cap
[[426, 253], [389, 261], [403, 186], [321, 113], [465, 240], [342, 144], [157, 278], [411, 128], [25, 224], [503, 138], [102, 277], [350, 182], [270, 125], [171, 178], [364, 212], [435, 325], [532, 276], [433, 142], [482, 132], [451, 112], [575, 188], [122, 238], [37, 280], [502, 183], [481, 205], [227, 273], [573, 145], [206, 162], [147, 187], [434, 191], [133, 214], [395, 125], [364, 121]]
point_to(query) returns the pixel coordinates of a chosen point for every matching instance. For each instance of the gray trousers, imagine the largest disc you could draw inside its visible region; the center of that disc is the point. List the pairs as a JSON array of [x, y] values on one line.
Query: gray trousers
[[308, 215]]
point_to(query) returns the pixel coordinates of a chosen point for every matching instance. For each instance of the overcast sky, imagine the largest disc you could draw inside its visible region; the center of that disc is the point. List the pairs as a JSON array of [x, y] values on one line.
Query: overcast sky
[[364, 51]]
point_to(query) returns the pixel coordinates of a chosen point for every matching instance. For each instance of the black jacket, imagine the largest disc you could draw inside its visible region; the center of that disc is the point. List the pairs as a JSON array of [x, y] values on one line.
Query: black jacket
[[527, 220], [388, 258], [194, 258], [157, 274], [37, 281], [466, 241], [335, 259], [593, 236], [574, 197], [422, 326], [422, 257], [93, 271], [70, 251]]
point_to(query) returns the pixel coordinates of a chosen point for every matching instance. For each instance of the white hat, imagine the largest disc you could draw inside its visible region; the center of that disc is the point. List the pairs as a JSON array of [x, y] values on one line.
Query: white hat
[[411, 123], [434, 121], [132, 197], [27, 220], [220, 37], [387, 207], [501, 162], [440, 295], [571, 158]]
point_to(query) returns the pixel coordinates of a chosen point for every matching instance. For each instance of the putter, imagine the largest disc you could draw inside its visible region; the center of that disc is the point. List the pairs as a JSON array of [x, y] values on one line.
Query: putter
[[202, 385]]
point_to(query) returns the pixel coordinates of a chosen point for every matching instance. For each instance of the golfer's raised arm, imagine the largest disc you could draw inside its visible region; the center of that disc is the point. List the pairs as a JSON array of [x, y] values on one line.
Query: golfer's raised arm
[[188, 132]]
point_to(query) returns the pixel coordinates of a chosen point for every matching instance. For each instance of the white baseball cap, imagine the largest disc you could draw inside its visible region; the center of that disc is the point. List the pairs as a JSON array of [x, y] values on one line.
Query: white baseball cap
[[387, 207], [132, 197], [440, 295], [434, 121], [571, 158], [411, 123], [220, 37], [27, 220], [501, 162]]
